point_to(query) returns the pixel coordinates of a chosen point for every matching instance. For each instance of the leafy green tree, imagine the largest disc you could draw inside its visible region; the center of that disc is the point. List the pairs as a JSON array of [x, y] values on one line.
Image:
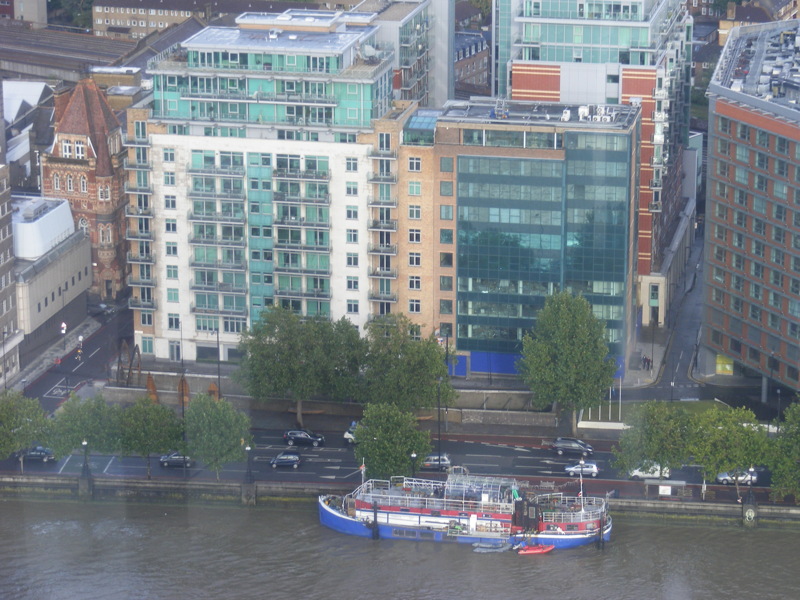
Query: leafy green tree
[[216, 432], [565, 358], [288, 357], [90, 419], [784, 456], [346, 352], [658, 435], [386, 437], [22, 424], [404, 371], [727, 440], [147, 428]]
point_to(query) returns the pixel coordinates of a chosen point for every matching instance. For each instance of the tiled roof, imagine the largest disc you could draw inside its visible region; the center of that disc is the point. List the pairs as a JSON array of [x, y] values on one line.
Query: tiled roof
[[88, 113]]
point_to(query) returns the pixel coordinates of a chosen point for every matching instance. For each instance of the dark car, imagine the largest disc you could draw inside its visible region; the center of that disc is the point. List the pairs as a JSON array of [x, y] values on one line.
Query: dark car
[[564, 445], [303, 437], [287, 458], [36, 453], [175, 459]]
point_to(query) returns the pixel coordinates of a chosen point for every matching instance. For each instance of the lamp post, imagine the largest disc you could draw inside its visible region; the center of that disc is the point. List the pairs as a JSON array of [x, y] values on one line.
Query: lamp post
[[85, 472], [778, 426], [439, 417], [64, 334], [248, 477], [413, 465], [671, 390], [580, 475]]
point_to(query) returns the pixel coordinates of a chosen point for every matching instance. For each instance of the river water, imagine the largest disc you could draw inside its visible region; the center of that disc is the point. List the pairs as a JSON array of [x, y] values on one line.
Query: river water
[[55, 551]]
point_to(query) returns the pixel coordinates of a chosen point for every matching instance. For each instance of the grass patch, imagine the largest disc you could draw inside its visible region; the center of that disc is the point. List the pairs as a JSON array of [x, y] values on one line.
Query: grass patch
[[629, 409]]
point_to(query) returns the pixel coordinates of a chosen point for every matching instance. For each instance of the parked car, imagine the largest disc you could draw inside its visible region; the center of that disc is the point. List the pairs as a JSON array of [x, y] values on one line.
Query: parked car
[[565, 445], [36, 453], [743, 476], [587, 468], [175, 459], [655, 471], [303, 437], [435, 462], [349, 435], [287, 458]]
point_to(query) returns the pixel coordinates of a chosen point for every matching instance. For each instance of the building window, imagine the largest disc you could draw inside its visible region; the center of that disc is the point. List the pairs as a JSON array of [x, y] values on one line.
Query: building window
[[172, 295], [445, 236], [84, 185], [171, 225], [172, 271], [170, 202], [169, 154], [351, 212], [66, 149], [446, 283], [56, 181], [80, 150], [173, 321], [446, 307], [414, 259], [445, 188], [147, 345], [146, 318], [172, 248], [445, 259], [351, 164], [352, 259], [352, 283], [414, 282], [352, 236], [414, 188], [414, 164], [446, 164], [70, 184], [169, 178], [446, 212], [351, 188], [352, 307], [414, 306], [414, 236]]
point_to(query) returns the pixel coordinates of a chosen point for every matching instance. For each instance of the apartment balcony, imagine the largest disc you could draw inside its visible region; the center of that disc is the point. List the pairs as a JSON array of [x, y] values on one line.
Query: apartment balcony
[[381, 297], [654, 207], [132, 188], [293, 293], [139, 282], [225, 95], [217, 241], [378, 225], [383, 273], [382, 177], [139, 304], [305, 175], [287, 245], [134, 235], [209, 217], [323, 199], [140, 259], [378, 202], [134, 165], [378, 153], [385, 249], [660, 116], [212, 194], [295, 269], [218, 310], [658, 138], [134, 140], [227, 288], [656, 184], [301, 222], [136, 211], [219, 264], [296, 99], [223, 171]]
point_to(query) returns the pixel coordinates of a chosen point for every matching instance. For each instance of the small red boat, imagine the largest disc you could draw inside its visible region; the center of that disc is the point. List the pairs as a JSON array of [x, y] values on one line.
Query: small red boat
[[537, 549]]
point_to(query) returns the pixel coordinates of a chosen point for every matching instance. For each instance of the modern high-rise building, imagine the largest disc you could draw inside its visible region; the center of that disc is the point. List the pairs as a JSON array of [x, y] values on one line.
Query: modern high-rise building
[[751, 322], [601, 53], [9, 327]]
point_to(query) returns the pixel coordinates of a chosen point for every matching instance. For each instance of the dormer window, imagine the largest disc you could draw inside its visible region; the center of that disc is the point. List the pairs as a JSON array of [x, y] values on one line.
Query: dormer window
[[80, 150], [66, 149]]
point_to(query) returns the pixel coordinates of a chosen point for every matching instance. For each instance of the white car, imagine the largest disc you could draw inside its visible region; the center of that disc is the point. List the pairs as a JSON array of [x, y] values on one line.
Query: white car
[[743, 476], [654, 472], [349, 435], [587, 468]]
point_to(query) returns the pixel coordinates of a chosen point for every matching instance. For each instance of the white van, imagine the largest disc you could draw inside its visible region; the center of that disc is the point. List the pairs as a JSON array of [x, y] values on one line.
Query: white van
[[654, 472]]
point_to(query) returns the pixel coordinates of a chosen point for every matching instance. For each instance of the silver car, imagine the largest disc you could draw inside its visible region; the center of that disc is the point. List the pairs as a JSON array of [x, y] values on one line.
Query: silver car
[[742, 477], [587, 468]]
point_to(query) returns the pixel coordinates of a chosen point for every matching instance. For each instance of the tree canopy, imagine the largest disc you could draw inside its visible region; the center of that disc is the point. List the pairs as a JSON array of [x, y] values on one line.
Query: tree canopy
[[89, 419], [386, 437], [216, 432], [784, 461], [148, 428], [22, 423], [565, 358]]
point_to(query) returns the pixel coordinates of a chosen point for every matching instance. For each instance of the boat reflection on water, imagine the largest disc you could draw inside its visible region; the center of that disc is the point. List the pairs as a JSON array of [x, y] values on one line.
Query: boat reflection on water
[[469, 509]]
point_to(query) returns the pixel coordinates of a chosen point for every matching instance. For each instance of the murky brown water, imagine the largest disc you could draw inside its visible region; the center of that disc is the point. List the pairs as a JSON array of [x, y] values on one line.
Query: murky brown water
[[85, 551]]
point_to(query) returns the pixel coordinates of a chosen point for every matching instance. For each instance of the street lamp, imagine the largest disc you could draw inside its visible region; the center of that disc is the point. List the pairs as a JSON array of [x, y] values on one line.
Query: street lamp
[[85, 472], [778, 426], [248, 477], [580, 475], [64, 334], [439, 417], [671, 390], [413, 465]]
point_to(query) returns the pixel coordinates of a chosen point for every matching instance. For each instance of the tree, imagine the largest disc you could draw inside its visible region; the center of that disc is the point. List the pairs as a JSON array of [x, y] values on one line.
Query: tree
[[216, 432], [386, 437], [657, 435], [727, 440], [285, 356], [91, 420], [404, 371], [565, 358], [22, 424], [347, 352], [784, 456], [147, 428]]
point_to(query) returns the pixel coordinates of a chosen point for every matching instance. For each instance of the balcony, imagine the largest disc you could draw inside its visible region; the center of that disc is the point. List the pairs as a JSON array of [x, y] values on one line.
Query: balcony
[[656, 184], [382, 177], [135, 235], [312, 293], [215, 217], [136, 211], [227, 95], [212, 170], [218, 310], [307, 175], [378, 225], [216, 286], [292, 245], [217, 241], [219, 264], [134, 165], [382, 202], [301, 222], [140, 259], [139, 304], [382, 153], [136, 140], [225, 194], [654, 207], [132, 188], [139, 282], [387, 249], [296, 99], [382, 297], [383, 273], [289, 199]]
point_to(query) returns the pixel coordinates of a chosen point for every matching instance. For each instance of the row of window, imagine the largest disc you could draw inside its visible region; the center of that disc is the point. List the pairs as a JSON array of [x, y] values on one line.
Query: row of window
[[755, 354], [51, 297], [143, 11]]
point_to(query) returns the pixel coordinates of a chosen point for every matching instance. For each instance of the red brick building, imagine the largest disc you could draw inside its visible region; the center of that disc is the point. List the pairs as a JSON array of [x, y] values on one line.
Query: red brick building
[[86, 166]]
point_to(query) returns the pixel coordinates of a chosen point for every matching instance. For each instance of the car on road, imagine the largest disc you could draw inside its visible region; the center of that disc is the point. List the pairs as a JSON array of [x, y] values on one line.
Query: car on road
[[586, 469], [287, 458], [436, 462], [350, 435], [566, 445], [40, 453], [303, 437], [743, 476], [654, 471], [175, 459]]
